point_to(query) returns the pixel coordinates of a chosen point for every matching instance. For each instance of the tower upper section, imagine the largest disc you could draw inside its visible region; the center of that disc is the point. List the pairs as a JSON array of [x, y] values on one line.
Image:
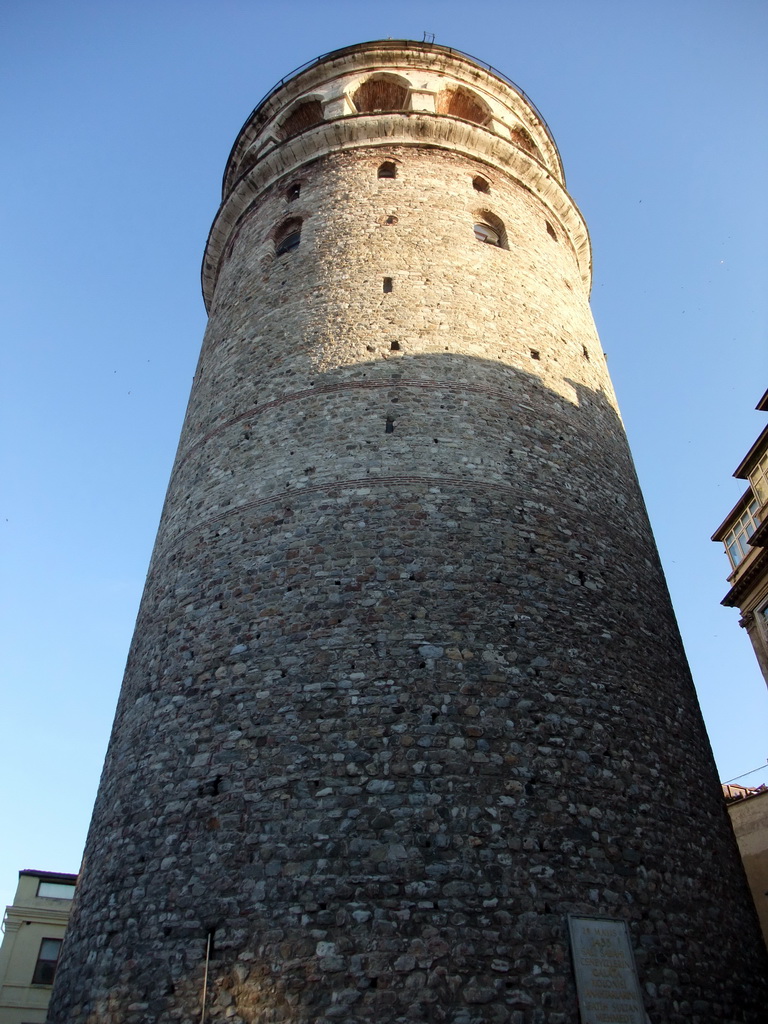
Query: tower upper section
[[387, 93]]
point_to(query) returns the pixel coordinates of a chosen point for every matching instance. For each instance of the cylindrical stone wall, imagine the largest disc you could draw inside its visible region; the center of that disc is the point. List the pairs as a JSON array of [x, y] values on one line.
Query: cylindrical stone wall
[[406, 688]]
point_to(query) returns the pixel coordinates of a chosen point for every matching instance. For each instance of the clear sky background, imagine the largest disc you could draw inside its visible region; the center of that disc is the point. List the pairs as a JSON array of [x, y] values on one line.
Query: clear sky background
[[117, 119]]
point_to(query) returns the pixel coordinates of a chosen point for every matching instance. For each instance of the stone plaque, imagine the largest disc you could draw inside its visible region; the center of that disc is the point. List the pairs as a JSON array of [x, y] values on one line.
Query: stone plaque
[[606, 977]]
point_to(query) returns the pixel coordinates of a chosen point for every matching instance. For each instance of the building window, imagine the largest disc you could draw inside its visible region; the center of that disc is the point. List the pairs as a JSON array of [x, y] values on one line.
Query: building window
[[47, 959], [737, 539], [485, 233], [758, 478], [521, 138], [480, 184], [249, 161], [293, 191], [464, 104], [288, 236], [382, 93], [490, 230], [56, 890], [387, 170], [306, 115]]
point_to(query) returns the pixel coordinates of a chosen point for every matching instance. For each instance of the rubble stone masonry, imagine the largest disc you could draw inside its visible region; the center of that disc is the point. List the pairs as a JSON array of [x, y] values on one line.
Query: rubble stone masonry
[[406, 689]]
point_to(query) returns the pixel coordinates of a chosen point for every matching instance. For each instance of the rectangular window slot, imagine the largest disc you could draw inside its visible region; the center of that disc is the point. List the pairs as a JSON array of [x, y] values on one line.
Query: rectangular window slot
[[47, 959], [387, 284]]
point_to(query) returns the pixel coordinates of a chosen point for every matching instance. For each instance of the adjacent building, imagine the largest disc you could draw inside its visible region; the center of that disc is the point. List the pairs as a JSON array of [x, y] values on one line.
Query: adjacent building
[[33, 931], [744, 533], [748, 809]]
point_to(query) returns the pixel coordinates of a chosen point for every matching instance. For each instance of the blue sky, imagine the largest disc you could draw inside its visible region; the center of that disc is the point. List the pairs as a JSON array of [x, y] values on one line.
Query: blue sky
[[117, 120]]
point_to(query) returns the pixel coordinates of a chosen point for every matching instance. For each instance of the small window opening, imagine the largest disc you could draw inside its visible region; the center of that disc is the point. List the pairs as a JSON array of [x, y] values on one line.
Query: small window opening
[[248, 161], [288, 236], [535, 354], [47, 959], [551, 231], [521, 138], [387, 170], [387, 284], [306, 115], [289, 242], [490, 229], [480, 184], [293, 191], [389, 426], [394, 346], [391, 220]]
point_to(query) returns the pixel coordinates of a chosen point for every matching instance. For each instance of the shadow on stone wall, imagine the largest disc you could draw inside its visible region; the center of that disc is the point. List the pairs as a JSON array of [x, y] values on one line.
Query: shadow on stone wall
[[387, 722]]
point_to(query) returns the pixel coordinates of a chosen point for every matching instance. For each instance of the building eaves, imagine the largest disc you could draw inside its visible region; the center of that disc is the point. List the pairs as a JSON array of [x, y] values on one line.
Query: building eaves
[[742, 470], [49, 876]]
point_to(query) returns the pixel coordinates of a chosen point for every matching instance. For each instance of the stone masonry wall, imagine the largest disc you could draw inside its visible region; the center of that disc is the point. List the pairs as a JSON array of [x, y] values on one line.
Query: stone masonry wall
[[406, 688]]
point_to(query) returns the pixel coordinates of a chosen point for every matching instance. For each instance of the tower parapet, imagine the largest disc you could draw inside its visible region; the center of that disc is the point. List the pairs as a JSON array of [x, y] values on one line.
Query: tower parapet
[[406, 691]]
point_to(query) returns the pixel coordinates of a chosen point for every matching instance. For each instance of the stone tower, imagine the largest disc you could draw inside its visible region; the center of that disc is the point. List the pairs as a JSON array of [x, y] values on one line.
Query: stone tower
[[406, 689]]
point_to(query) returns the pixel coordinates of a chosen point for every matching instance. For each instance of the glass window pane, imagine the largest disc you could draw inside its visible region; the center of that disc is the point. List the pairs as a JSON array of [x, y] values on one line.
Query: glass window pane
[[49, 949], [56, 890], [485, 233]]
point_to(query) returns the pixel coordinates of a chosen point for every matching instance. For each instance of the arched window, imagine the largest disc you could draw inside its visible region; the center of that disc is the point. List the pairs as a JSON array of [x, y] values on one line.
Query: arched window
[[302, 117], [381, 92], [247, 162], [490, 230], [480, 184], [288, 236], [293, 191], [521, 138], [387, 170], [463, 103]]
